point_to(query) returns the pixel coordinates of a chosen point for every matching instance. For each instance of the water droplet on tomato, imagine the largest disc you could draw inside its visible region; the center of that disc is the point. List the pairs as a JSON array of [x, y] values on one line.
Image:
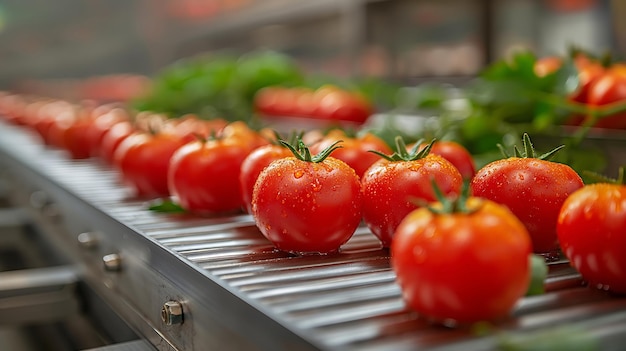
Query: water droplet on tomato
[[298, 173]]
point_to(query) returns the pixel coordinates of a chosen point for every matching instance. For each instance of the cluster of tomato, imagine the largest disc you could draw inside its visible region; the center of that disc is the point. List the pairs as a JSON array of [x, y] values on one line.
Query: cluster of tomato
[[599, 85], [327, 103], [463, 259]]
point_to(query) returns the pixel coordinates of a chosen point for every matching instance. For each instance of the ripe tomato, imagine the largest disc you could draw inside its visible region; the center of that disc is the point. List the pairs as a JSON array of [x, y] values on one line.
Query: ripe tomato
[[592, 232], [355, 151], [609, 88], [547, 65], [105, 117], [247, 136], [533, 189], [588, 72], [339, 105], [462, 267], [204, 175], [456, 154], [113, 138], [144, 159], [252, 166], [391, 186], [305, 204]]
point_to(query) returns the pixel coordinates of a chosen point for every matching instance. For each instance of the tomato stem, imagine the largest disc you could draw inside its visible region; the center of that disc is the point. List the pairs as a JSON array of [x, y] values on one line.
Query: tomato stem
[[303, 153], [599, 178], [452, 204], [529, 150], [402, 154]]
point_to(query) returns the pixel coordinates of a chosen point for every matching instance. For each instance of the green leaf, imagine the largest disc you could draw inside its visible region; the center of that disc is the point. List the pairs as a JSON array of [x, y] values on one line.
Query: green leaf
[[538, 274], [564, 338], [165, 206], [566, 80]]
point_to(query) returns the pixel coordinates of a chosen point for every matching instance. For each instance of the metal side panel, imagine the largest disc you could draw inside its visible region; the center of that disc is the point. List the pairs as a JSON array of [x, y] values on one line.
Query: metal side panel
[[234, 291]]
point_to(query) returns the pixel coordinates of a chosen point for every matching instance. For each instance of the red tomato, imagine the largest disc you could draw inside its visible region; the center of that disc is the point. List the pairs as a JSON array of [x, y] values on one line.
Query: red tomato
[[190, 127], [588, 73], [462, 267], [354, 151], [340, 105], [266, 100], [609, 88], [104, 119], [390, 188], [113, 138], [77, 141], [592, 232], [55, 134], [456, 154], [533, 189], [547, 65], [247, 136], [144, 160], [252, 166], [204, 175], [306, 205]]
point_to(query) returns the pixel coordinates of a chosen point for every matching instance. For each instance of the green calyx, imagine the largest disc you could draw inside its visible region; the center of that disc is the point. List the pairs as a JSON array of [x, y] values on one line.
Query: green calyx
[[402, 154], [529, 150], [599, 178], [454, 204], [302, 152], [294, 136]]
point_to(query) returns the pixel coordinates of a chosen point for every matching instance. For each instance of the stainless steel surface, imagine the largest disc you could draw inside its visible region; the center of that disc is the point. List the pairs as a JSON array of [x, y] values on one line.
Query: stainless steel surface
[[240, 293], [37, 295], [138, 345], [88, 240]]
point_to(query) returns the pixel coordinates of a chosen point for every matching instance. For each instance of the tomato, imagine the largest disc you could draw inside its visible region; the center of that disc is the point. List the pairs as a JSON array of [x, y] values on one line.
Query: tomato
[[305, 204], [456, 154], [190, 127], [103, 120], [76, 136], [355, 151], [113, 138], [247, 136], [533, 189], [462, 267], [607, 89], [144, 159], [547, 65], [252, 166], [391, 186], [591, 229], [340, 105], [62, 121], [267, 99], [588, 73], [204, 175]]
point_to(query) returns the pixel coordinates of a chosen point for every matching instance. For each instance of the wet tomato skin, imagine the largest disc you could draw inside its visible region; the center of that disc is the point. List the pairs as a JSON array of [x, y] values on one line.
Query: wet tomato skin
[[204, 175], [533, 190], [592, 232], [307, 207], [144, 160], [252, 166], [390, 189], [355, 151], [462, 268]]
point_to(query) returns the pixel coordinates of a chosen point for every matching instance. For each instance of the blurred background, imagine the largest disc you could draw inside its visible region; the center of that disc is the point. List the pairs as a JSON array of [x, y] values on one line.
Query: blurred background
[[47, 44]]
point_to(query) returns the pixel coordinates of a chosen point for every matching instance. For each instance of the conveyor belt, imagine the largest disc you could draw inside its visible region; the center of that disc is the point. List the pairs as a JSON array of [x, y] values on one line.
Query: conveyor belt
[[238, 292]]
